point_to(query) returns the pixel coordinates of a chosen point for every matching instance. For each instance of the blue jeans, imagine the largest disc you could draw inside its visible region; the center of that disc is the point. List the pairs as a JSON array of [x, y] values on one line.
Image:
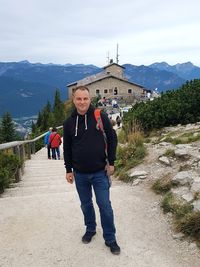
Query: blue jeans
[[55, 150], [100, 183]]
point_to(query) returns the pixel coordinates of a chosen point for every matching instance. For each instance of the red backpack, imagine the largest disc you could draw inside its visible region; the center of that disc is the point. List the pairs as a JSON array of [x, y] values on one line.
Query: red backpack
[[99, 126]]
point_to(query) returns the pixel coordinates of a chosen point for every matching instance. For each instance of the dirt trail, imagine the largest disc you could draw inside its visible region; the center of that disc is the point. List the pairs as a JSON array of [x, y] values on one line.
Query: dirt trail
[[41, 225]]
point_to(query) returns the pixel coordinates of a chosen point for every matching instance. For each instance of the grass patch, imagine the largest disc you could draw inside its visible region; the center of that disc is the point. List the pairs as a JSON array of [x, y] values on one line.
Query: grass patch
[[130, 155], [178, 207], [190, 225], [169, 153], [182, 139], [162, 185], [174, 141], [197, 196], [185, 219], [122, 138]]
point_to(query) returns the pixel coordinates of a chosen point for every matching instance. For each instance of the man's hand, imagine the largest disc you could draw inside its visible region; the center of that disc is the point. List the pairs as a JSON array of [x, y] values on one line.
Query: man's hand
[[70, 177], [110, 169]]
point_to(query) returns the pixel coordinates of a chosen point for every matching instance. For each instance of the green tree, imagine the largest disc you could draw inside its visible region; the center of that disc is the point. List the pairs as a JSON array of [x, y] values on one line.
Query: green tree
[[173, 107], [8, 133], [58, 109]]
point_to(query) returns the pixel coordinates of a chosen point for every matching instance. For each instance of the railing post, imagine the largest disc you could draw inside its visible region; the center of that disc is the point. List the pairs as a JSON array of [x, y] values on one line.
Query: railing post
[[18, 174], [33, 147], [29, 150], [22, 157]]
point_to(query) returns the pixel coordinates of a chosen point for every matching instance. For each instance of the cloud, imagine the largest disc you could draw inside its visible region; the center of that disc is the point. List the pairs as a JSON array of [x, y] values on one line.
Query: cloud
[[84, 31]]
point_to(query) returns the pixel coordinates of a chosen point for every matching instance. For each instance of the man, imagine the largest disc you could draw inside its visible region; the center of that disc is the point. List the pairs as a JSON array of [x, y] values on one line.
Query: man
[[85, 161], [47, 144]]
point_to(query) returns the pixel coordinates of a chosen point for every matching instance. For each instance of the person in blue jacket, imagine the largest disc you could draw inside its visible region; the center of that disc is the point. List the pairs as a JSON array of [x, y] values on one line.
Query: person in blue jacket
[[47, 144]]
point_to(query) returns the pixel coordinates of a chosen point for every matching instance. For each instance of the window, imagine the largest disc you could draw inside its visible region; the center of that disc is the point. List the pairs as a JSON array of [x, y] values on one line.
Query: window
[[115, 91], [110, 90], [129, 91], [97, 92], [105, 91]]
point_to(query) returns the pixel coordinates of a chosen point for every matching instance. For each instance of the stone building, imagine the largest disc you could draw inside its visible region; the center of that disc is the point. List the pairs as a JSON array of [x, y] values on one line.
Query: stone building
[[110, 83]]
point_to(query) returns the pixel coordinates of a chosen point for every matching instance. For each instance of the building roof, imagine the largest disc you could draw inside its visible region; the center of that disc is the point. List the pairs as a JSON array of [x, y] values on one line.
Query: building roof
[[101, 76], [113, 64]]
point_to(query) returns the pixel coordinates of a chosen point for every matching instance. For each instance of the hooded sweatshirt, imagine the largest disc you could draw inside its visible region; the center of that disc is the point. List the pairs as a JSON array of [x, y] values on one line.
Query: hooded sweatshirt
[[83, 143]]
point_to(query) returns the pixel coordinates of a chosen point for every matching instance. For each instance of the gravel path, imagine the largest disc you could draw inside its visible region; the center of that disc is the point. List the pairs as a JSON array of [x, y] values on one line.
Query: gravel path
[[41, 224]]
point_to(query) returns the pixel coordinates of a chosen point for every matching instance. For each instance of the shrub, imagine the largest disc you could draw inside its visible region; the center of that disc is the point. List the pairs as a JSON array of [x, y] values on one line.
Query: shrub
[[8, 167]]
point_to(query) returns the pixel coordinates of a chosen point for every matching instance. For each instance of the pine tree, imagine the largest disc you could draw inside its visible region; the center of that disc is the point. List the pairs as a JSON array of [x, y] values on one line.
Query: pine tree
[[8, 133], [58, 109]]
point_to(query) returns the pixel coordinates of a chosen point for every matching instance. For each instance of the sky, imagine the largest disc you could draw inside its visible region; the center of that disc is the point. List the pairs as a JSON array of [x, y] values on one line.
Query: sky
[[88, 31]]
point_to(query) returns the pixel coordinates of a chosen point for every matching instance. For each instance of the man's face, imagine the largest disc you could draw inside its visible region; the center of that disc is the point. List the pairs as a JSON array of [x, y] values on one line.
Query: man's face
[[82, 101]]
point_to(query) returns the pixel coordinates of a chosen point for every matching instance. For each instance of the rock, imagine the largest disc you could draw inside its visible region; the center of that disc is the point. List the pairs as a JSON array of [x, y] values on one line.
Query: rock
[[136, 182], [182, 153], [164, 160], [195, 185], [196, 205], [183, 192], [194, 248], [179, 236], [195, 134], [184, 178], [188, 197], [189, 126], [165, 144], [138, 174]]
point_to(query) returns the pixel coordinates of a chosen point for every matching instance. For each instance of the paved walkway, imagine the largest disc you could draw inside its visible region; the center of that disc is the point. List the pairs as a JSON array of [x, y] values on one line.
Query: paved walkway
[[41, 225]]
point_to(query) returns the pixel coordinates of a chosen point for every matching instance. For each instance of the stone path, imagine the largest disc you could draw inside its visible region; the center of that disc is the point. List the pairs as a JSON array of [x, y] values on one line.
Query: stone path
[[41, 225]]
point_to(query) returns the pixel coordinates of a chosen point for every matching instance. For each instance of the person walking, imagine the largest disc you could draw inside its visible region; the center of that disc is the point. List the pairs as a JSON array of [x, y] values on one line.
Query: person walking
[[85, 162], [55, 142], [118, 121], [47, 144]]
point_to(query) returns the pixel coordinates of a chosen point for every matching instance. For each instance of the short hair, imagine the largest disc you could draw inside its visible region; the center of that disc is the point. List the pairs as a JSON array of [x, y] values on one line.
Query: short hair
[[81, 87]]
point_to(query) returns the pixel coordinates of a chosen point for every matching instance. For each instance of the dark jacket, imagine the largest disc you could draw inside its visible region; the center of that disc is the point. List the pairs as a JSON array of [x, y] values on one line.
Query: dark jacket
[[83, 143]]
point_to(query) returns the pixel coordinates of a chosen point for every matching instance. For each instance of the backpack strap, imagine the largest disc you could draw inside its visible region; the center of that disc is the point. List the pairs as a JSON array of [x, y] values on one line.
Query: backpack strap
[[99, 126], [97, 115]]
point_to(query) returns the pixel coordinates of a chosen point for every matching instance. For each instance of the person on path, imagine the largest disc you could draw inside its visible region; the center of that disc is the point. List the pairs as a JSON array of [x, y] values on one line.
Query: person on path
[[118, 121], [55, 142], [85, 162], [46, 142], [114, 135]]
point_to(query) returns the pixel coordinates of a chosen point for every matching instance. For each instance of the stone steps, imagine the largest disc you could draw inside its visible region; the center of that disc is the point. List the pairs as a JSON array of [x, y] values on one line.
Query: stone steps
[[41, 176]]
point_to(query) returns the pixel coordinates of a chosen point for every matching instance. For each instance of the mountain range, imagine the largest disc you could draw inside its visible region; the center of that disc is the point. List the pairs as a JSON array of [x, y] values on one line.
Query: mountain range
[[25, 87]]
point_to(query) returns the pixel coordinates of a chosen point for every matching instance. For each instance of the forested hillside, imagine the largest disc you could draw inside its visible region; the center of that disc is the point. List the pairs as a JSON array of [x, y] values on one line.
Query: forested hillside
[[173, 107]]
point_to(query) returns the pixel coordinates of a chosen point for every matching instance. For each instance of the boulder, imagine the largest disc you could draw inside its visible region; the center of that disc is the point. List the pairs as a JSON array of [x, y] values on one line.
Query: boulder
[[184, 178]]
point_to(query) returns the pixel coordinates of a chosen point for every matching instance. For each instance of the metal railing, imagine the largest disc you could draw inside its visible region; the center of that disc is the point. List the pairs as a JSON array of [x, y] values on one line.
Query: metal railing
[[23, 149]]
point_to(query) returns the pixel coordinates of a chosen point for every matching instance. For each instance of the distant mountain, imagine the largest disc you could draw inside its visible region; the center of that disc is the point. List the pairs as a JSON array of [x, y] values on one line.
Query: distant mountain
[[22, 98], [26, 87], [153, 78], [187, 70]]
